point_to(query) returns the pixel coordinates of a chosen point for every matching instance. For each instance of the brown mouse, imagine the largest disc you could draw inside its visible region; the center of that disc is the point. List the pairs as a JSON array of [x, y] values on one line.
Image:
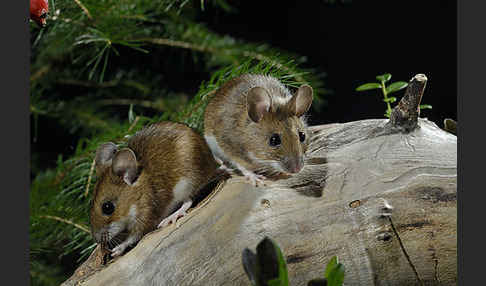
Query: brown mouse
[[139, 187], [254, 125]]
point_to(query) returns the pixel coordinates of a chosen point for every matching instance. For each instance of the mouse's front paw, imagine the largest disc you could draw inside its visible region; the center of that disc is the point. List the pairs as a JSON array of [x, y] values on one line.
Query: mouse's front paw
[[118, 250], [182, 211], [255, 180], [171, 219], [225, 169]]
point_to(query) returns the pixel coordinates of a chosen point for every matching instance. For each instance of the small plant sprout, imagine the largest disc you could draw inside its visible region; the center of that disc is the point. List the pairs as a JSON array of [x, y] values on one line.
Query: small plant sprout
[[268, 267], [387, 90]]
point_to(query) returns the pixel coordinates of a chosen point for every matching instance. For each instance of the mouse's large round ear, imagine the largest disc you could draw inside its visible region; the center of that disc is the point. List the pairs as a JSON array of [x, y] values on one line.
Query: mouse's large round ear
[[259, 102], [301, 100], [125, 165], [104, 156]]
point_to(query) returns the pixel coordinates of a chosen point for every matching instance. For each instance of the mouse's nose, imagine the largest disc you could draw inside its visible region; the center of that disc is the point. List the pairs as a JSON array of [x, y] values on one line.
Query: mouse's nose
[[295, 164]]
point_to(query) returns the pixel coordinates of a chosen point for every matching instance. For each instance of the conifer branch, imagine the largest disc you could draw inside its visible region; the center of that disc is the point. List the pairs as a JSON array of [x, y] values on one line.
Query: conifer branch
[[91, 170], [157, 105], [261, 57], [201, 48], [85, 10], [105, 84], [81, 227], [133, 124], [178, 44], [188, 113], [39, 73]]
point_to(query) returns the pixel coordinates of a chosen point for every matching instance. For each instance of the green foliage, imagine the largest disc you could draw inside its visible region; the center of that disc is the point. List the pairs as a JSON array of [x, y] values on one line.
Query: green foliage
[[103, 69], [334, 272], [90, 38], [387, 90], [268, 267]]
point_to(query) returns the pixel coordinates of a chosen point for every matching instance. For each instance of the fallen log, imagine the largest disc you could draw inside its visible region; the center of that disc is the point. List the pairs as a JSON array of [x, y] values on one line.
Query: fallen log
[[379, 194]]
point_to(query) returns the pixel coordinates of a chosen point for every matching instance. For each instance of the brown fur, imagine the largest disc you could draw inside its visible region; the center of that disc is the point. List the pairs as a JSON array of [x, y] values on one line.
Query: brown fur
[[165, 153], [240, 138]]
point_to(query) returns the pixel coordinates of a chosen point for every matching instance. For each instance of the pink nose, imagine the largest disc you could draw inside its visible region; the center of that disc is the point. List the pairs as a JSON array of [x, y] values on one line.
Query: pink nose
[[295, 165]]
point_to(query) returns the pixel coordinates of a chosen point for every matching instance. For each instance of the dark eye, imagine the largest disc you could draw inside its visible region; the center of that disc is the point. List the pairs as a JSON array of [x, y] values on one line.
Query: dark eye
[[301, 136], [43, 15], [107, 208], [275, 140]]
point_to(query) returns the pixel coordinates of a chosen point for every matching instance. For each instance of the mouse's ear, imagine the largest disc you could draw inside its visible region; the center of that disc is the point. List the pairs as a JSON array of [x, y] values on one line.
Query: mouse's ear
[[125, 165], [301, 101], [104, 156], [259, 102]]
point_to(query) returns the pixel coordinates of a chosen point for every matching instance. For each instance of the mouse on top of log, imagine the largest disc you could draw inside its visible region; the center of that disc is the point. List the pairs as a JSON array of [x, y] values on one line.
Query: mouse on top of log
[[256, 127], [140, 188]]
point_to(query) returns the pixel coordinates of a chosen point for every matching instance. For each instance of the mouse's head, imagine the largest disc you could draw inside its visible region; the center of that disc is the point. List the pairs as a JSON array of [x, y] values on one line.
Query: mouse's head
[[122, 201], [277, 128]]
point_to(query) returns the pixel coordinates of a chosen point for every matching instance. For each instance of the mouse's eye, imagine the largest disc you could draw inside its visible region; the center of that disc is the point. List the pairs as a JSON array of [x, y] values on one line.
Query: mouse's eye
[[301, 136], [275, 140], [107, 208]]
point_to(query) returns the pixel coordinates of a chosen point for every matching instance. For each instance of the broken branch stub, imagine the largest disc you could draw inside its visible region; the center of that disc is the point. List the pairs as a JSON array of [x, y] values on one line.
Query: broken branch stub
[[404, 116]]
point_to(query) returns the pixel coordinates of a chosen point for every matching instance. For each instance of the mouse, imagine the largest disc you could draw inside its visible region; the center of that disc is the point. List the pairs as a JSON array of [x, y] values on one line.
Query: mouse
[[147, 185], [255, 127]]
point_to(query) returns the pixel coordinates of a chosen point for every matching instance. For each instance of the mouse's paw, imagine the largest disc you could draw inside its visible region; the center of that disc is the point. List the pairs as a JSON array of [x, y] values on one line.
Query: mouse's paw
[[118, 250], [255, 179], [182, 211], [224, 168], [171, 219]]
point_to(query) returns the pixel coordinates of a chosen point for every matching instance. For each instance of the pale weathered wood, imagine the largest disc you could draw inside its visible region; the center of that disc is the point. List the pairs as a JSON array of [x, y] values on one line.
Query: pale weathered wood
[[360, 177]]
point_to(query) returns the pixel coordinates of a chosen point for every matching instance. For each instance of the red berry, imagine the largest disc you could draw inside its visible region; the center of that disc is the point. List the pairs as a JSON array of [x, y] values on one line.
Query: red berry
[[38, 11]]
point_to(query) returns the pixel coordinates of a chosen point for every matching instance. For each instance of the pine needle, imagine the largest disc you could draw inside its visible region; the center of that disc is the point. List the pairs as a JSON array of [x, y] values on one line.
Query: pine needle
[[81, 227], [85, 10]]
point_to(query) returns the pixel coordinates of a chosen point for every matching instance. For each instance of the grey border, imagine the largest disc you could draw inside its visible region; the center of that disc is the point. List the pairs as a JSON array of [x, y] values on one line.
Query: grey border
[[15, 143], [470, 103]]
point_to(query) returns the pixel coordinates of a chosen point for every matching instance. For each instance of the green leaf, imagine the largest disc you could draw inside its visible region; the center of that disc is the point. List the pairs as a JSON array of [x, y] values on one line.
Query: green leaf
[[276, 282], [384, 77], [271, 264], [368, 86], [425, 106], [388, 113], [396, 86], [330, 266], [336, 276], [282, 267]]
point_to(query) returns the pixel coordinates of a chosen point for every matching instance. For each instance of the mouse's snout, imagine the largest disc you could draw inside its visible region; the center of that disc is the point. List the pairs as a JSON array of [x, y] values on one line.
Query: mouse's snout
[[99, 235], [294, 164]]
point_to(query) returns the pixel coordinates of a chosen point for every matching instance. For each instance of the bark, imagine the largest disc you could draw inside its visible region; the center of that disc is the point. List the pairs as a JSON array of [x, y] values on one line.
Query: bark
[[380, 197]]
